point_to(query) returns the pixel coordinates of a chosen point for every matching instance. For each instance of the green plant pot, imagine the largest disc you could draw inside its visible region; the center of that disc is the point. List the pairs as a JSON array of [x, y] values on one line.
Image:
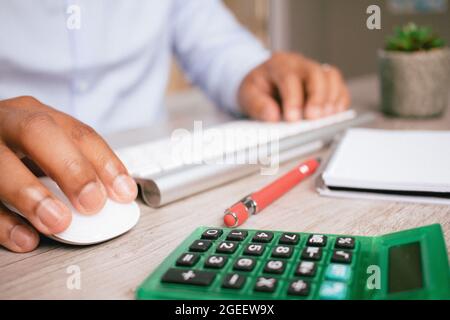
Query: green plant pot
[[414, 84]]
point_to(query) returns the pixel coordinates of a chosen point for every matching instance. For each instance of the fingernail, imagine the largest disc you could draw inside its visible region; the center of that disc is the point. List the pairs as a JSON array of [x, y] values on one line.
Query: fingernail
[[269, 114], [125, 187], [328, 109], [92, 197], [22, 237], [51, 213], [293, 115], [314, 112]]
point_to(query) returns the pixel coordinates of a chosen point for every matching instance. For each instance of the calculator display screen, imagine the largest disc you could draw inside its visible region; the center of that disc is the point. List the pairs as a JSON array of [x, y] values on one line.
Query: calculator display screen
[[405, 268]]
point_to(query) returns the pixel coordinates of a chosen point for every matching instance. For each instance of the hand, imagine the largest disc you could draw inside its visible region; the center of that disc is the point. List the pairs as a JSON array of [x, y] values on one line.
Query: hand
[[69, 152], [291, 87]]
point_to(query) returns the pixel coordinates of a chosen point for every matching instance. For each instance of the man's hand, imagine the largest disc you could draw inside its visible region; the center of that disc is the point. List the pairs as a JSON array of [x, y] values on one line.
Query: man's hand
[[69, 152], [291, 87]]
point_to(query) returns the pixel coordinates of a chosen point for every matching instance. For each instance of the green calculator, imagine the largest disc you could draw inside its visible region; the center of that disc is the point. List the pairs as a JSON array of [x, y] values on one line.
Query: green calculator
[[220, 263]]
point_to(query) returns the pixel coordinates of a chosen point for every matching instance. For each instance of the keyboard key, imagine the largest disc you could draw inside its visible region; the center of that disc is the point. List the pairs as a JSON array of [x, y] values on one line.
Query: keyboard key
[[306, 269], [345, 243], [317, 240], [215, 261], [212, 234], [338, 272], [275, 266], [264, 284], [263, 236], [237, 235], [193, 277], [244, 264], [200, 245], [254, 249], [331, 290], [187, 259], [227, 247], [282, 252], [299, 288], [289, 238], [312, 253], [233, 281], [342, 256]]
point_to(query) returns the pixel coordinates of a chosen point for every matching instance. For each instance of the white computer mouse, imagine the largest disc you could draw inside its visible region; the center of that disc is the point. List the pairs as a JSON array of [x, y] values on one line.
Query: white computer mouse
[[112, 221]]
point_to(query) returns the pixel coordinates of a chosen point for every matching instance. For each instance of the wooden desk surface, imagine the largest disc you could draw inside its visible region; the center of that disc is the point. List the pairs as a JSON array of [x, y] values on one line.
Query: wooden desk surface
[[114, 269]]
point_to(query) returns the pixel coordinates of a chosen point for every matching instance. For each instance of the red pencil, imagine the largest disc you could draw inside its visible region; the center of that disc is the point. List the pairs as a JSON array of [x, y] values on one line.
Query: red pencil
[[257, 201]]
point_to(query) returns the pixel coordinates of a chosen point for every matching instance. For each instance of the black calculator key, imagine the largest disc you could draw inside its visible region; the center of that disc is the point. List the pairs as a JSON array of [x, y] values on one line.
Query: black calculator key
[[282, 252], [237, 235], [312, 253], [194, 277], [254, 249], [289, 238], [233, 281], [212, 234], [299, 288], [275, 266], [227, 247], [244, 264], [306, 269], [188, 259], [342, 256], [265, 284], [263, 236], [215, 261], [200, 245], [317, 240], [345, 243]]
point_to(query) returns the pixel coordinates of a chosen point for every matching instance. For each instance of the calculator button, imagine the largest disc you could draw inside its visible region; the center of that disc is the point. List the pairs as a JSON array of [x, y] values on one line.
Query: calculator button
[[233, 281], [306, 269], [312, 253], [200, 245], [265, 284], [187, 259], [212, 234], [317, 240], [244, 264], [215, 261], [254, 249], [345, 243], [342, 256], [275, 266], [331, 290], [289, 238], [338, 272], [299, 288], [263, 236], [237, 235], [194, 277], [282, 252], [226, 247]]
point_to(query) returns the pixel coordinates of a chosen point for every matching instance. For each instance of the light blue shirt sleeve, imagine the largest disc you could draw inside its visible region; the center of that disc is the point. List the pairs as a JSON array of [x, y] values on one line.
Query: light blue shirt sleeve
[[213, 49]]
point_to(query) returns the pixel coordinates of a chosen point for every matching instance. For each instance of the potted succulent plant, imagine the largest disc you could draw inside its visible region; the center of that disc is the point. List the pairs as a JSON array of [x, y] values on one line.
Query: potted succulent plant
[[414, 73]]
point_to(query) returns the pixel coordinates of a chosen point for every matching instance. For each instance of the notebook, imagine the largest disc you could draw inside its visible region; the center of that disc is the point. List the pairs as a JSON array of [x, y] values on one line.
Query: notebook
[[396, 165]]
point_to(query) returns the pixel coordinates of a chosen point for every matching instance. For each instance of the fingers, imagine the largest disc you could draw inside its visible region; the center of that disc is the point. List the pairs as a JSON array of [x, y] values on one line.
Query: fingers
[[15, 234], [113, 174], [335, 86], [291, 91], [21, 189], [256, 99], [326, 91], [316, 85], [38, 135]]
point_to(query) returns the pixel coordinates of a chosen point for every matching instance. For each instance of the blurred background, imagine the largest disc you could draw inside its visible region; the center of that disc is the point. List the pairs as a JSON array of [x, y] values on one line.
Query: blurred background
[[331, 31]]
